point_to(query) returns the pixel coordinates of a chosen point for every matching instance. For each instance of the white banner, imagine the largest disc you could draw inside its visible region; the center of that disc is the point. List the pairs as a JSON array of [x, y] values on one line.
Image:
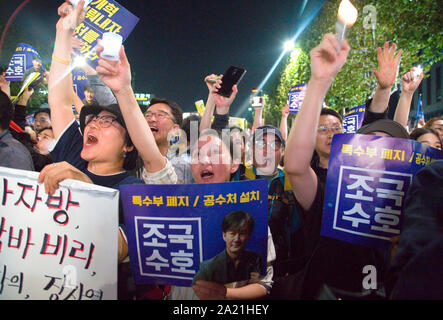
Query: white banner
[[59, 247]]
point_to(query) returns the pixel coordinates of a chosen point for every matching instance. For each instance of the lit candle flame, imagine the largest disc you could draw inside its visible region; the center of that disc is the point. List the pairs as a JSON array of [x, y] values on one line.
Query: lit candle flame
[[347, 12]]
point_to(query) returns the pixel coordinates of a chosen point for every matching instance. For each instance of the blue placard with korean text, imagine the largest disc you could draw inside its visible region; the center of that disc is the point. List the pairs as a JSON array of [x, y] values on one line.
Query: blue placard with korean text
[[353, 119], [103, 16], [20, 62], [171, 229], [295, 97], [368, 177], [79, 80]]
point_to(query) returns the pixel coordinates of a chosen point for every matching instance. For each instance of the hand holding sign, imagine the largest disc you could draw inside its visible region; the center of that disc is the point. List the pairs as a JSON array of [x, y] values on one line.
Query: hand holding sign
[[53, 174]]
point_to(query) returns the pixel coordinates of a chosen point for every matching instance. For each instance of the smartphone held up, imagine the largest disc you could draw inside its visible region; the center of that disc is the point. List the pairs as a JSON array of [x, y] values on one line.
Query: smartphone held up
[[231, 77]]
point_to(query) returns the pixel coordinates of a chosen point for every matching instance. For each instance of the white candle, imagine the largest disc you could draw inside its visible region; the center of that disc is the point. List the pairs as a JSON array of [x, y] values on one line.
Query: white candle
[[111, 43], [347, 15]]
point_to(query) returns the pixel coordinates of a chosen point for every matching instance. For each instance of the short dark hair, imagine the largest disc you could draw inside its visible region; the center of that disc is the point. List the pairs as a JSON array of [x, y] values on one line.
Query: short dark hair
[[331, 112], [43, 129], [186, 125], [177, 112], [431, 121], [6, 110], [87, 87], [236, 219], [418, 132]]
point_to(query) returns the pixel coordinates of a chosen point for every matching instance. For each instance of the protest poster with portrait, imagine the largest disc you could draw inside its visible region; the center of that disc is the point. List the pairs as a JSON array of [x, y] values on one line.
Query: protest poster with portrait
[[57, 247], [368, 178], [353, 119], [174, 229], [296, 97], [103, 16], [21, 62]]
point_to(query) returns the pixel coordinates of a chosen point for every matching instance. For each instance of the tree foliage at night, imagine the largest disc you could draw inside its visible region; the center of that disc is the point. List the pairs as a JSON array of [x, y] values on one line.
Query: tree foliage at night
[[413, 25]]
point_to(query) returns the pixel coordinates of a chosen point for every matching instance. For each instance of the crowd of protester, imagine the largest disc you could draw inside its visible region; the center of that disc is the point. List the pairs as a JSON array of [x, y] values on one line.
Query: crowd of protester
[[109, 141]]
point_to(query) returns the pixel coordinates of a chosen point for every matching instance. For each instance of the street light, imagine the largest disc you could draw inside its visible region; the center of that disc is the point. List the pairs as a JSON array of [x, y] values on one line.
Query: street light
[[289, 45]]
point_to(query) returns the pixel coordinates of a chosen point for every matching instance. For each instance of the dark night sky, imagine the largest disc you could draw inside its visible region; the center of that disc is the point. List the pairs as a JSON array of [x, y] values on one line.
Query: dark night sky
[[177, 43]]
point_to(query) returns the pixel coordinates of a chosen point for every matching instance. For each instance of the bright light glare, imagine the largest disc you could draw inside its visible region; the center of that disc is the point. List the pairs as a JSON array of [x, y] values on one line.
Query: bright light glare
[[347, 12], [289, 45], [79, 61]]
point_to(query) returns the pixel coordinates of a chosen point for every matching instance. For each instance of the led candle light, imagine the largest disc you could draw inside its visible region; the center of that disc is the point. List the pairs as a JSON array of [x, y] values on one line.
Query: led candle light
[[418, 70], [347, 15], [111, 43], [75, 2]]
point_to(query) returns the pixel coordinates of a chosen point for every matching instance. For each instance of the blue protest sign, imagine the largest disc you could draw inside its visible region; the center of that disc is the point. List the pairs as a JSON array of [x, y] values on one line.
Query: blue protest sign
[[172, 229], [103, 16], [21, 62], [353, 119], [368, 177], [79, 80], [296, 96]]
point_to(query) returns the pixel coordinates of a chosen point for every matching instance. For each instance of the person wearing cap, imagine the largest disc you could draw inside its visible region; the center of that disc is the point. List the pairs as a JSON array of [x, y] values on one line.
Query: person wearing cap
[[99, 150], [214, 164], [268, 150], [332, 262], [268, 147], [385, 128]]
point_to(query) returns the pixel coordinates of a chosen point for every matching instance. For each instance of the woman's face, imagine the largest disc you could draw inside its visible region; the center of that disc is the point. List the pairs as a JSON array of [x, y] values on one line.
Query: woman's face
[[430, 139], [327, 127], [438, 126], [104, 144], [211, 161]]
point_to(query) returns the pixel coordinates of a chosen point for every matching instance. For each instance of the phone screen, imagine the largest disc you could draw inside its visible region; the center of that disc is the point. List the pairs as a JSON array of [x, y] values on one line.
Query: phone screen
[[231, 77]]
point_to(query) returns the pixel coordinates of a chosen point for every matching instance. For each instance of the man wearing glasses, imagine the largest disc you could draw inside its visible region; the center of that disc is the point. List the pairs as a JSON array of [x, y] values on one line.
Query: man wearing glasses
[[164, 117], [268, 150]]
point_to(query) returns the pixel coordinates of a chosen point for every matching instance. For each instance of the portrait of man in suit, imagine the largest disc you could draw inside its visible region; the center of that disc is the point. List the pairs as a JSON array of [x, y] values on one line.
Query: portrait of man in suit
[[235, 263]]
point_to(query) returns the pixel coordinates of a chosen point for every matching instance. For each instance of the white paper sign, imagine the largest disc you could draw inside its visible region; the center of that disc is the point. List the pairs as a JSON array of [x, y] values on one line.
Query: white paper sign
[[59, 247]]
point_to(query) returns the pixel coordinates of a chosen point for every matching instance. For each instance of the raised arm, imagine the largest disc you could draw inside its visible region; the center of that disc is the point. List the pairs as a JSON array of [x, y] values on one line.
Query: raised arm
[[409, 83], [385, 75], [206, 120], [117, 76], [326, 62], [284, 121], [60, 78]]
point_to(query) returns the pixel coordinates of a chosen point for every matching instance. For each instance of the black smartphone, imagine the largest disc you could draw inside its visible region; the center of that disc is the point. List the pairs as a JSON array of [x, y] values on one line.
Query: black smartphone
[[231, 77]]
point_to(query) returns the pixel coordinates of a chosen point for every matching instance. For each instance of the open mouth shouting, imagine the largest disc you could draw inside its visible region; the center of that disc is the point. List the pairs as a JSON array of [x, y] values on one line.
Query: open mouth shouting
[[206, 175], [90, 140]]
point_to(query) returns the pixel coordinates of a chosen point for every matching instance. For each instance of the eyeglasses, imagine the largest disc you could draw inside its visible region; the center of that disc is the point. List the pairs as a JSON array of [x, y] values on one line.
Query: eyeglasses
[[160, 115], [103, 121], [333, 129], [274, 144]]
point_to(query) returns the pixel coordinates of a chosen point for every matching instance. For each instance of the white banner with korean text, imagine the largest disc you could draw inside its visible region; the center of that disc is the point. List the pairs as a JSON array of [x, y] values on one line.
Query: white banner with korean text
[[57, 247]]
